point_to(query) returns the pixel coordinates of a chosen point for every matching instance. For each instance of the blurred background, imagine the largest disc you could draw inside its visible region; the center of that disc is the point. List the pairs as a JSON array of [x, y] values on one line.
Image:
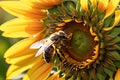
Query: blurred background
[[5, 43]]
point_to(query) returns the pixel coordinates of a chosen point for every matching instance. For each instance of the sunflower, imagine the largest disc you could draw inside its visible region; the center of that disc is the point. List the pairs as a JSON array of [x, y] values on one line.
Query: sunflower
[[89, 51]]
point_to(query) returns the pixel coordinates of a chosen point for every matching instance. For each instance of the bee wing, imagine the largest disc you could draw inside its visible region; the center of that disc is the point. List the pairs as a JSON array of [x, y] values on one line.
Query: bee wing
[[44, 47], [49, 43], [40, 51], [38, 44]]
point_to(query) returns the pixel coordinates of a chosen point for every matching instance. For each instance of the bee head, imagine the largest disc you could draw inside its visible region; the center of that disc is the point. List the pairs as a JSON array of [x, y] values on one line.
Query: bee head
[[55, 37], [62, 34]]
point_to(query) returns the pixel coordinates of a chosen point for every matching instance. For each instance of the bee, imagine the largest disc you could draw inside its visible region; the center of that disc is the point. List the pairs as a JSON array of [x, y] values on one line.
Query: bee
[[45, 46]]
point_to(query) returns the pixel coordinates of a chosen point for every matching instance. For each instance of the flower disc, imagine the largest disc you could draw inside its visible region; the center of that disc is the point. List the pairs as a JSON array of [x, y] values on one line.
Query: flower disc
[[87, 49]]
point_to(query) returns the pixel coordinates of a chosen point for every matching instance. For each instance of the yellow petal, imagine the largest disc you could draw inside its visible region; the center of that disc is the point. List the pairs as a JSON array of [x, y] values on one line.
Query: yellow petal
[[94, 2], [15, 70], [19, 47], [15, 34], [20, 9], [96, 38], [102, 5], [91, 31], [24, 56], [84, 4], [117, 75], [116, 21], [21, 28], [111, 7], [42, 4], [40, 71], [44, 73]]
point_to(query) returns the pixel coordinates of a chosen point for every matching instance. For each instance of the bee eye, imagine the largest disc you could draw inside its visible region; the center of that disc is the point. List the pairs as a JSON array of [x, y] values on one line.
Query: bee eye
[[62, 35]]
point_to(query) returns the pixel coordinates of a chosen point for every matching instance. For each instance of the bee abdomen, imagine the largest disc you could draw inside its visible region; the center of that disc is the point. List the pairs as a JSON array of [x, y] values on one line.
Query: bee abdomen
[[48, 54]]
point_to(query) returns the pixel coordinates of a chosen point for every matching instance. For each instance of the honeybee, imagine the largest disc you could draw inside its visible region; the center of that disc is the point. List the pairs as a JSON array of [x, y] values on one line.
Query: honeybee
[[45, 46]]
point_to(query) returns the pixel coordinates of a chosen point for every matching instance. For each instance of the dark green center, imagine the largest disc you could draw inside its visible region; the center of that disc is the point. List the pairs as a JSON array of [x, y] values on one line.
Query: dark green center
[[81, 43]]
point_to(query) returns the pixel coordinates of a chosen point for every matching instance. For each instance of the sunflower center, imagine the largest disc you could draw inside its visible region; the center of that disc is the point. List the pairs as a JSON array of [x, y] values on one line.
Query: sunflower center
[[81, 43]]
